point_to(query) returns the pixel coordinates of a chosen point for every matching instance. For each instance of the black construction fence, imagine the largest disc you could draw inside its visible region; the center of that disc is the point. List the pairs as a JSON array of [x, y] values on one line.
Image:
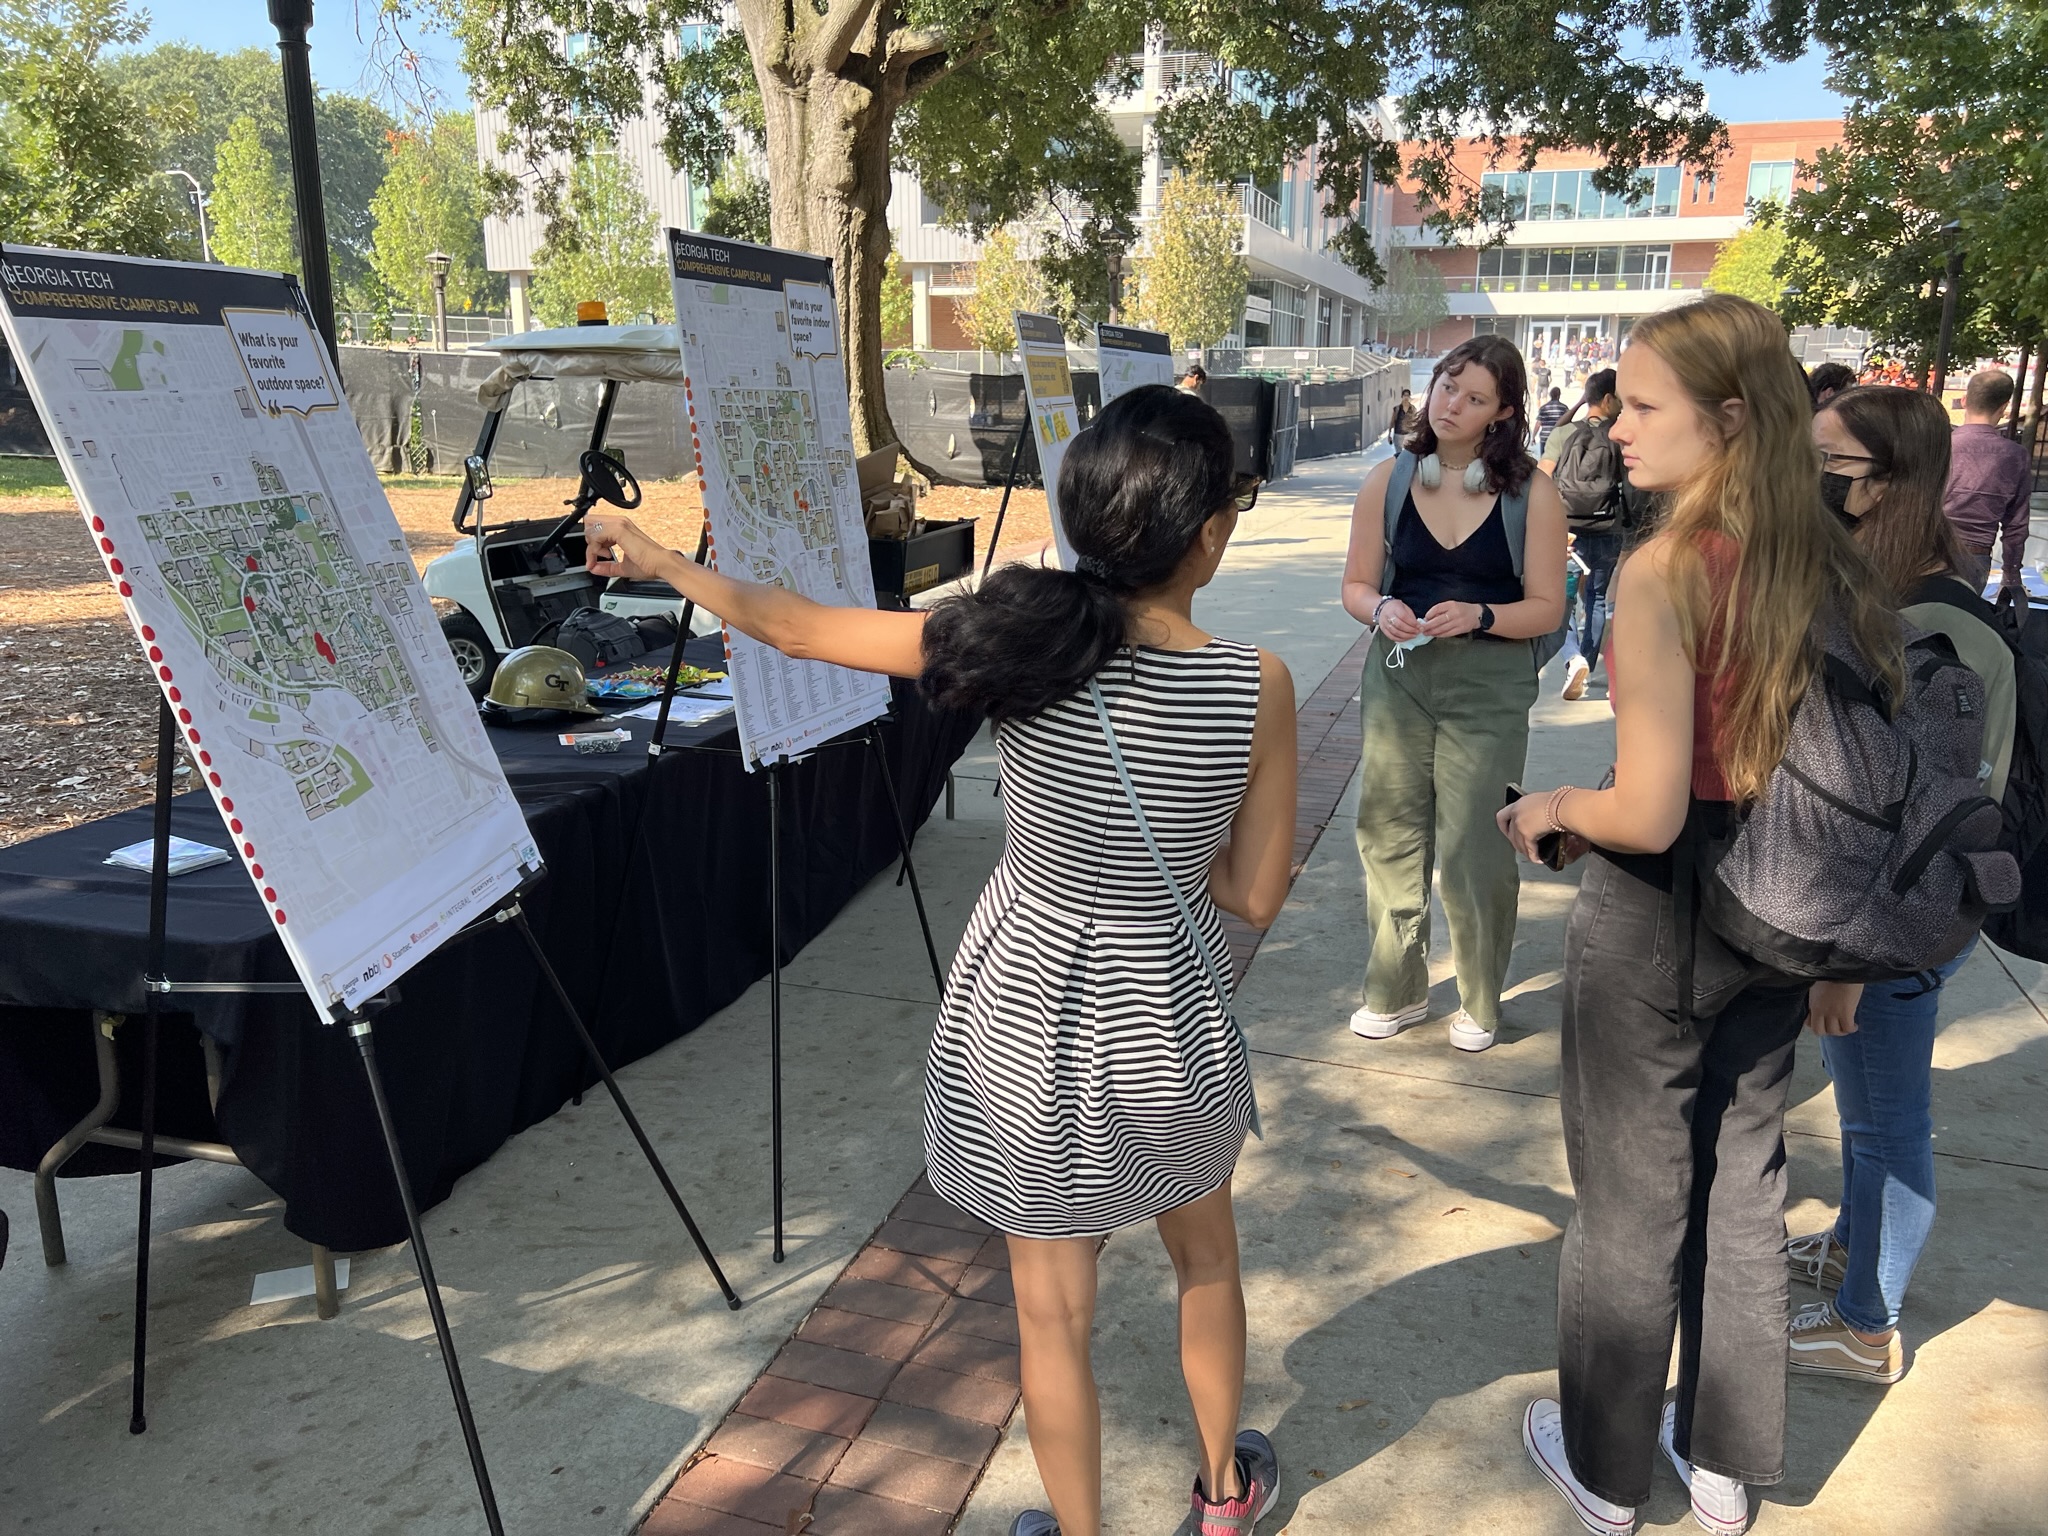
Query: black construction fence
[[418, 414]]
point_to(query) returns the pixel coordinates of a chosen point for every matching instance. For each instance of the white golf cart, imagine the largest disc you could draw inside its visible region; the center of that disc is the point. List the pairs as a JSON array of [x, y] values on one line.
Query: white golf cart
[[515, 582]]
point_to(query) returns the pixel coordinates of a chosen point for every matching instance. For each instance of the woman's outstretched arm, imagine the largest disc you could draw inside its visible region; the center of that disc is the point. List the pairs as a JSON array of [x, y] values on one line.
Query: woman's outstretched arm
[[863, 638]]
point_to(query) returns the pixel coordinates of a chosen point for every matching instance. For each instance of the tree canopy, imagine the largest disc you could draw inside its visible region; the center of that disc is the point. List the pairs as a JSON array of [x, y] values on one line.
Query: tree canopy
[[430, 201], [75, 167], [1943, 127], [1191, 280], [604, 247], [252, 204]]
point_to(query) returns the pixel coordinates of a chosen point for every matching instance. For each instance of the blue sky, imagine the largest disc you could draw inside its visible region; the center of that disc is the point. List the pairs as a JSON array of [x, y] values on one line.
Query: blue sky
[[1794, 90]]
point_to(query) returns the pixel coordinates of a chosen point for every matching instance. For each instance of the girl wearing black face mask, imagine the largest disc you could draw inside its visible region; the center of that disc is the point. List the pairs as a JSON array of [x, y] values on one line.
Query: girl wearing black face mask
[[1884, 462]]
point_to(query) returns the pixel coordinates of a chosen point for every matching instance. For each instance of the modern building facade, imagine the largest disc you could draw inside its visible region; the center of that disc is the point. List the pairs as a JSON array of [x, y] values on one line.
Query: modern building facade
[[1298, 295], [1580, 263]]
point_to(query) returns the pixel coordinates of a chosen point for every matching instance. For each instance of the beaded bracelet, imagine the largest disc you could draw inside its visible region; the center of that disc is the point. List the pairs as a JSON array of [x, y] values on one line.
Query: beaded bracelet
[[1556, 801], [1374, 621]]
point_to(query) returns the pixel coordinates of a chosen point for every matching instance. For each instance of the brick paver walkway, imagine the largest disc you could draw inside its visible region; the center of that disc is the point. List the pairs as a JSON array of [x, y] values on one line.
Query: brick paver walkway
[[877, 1417]]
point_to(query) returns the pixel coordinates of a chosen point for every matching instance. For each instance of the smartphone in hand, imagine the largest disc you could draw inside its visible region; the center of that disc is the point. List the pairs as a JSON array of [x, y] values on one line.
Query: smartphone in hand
[[1550, 846]]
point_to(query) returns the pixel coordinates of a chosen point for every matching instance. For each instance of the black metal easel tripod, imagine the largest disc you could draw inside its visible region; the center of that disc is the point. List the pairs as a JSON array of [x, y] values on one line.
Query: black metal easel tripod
[[773, 772], [357, 1021]]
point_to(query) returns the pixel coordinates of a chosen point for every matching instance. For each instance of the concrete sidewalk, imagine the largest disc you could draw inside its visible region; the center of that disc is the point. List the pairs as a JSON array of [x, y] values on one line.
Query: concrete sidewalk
[[1400, 1229], [597, 1353]]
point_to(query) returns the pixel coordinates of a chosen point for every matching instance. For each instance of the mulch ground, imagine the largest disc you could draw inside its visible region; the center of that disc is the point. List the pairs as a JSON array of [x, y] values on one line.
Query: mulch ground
[[77, 704]]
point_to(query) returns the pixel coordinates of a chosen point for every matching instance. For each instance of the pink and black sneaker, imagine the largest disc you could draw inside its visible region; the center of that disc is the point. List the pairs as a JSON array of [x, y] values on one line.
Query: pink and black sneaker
[[1258, 1474]]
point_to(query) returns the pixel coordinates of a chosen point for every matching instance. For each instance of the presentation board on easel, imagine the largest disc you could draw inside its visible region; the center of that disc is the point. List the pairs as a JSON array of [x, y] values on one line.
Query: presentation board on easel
[[1126, 357], [202, 427], [1055, 418], [764, 391]]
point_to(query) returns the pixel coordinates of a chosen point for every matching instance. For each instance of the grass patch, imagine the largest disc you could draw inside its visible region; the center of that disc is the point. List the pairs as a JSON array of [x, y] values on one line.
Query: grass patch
[[420, 482], [31, 477]]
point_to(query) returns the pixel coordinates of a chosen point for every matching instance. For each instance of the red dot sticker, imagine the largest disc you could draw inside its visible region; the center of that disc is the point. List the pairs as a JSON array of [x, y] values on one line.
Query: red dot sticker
[[235, 827], [164, 673], [205, 759], [106, 546], [176, 696], [249, 852], [194, 735], [269, 895], [280, 917], [184, 717], [227, 805], [148, 633], [114, 566], [156, 653], [256, 870], [126, 590], [213, 779], [98, 526]]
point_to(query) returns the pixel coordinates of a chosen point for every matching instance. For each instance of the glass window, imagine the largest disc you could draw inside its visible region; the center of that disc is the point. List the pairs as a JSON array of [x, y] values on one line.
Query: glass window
[[1632, 264], [1489, 267], [575, 46], [696, 37], [1589, 196], [1610, 261], [1539, 194], [1582, 265], [1643, 195], [1517, 189], [1614, 205], [1560, 266], [1564, 201], [1770, 181], [1666, 205]]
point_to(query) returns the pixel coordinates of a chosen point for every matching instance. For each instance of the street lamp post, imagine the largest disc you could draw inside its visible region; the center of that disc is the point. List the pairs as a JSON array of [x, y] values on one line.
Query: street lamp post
[[1951, 280], [198, 202], [438, 263], [292, 18]]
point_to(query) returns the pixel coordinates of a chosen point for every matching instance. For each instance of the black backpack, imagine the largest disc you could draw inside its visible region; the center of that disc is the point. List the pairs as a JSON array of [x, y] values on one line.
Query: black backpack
[[2024, 929], [1593, 482], [1873, 854]]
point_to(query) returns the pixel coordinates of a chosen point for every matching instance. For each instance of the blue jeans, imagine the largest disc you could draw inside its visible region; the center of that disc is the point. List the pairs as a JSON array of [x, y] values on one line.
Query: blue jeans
[[1884, 1079], [1601, 552]]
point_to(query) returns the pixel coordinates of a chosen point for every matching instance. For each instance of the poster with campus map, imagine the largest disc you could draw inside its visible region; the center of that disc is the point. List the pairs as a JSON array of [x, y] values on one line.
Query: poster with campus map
[[223, 480], [1126, 357], [764, 387]]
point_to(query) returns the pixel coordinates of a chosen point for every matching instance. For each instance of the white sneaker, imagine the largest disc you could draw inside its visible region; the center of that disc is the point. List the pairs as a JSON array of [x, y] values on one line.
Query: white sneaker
[[1466, 1034], [1576, 674], [1384, 1026], [1719, 1504], [1543, 1434]]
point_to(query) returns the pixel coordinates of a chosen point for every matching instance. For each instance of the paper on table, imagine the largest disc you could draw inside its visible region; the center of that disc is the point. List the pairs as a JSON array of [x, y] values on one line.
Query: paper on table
[[685, 711], [186, 856]]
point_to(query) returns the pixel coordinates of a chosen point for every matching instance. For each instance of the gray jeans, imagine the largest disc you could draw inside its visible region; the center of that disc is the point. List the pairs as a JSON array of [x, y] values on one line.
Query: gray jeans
[[1677, 1156]]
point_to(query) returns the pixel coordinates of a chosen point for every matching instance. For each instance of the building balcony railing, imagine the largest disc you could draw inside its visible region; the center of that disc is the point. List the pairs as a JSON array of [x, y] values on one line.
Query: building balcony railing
[[1257, 205]]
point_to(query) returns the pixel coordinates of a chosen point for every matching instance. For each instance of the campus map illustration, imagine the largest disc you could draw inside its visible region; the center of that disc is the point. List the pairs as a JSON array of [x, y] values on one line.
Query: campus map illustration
[[274, 597], [766, 394]]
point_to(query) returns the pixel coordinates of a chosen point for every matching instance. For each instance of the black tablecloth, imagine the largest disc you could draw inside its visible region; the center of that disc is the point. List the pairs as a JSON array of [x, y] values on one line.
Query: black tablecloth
[[651, 933]]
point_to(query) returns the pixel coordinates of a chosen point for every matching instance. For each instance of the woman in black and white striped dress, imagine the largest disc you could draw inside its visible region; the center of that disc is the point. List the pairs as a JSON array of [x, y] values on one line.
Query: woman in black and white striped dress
[[1086, 1072]]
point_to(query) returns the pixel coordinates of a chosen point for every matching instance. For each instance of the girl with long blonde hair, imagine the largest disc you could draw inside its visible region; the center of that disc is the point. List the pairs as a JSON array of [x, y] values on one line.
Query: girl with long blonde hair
[[1674, 1112]]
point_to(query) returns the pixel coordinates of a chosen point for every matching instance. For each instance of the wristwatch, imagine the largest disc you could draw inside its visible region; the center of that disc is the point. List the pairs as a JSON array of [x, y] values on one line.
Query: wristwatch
[[1485, 617]]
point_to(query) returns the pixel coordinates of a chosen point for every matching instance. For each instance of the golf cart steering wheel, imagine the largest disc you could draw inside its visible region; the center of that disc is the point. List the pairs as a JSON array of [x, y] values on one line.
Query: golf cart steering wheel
[[606, 479], [603, 478]]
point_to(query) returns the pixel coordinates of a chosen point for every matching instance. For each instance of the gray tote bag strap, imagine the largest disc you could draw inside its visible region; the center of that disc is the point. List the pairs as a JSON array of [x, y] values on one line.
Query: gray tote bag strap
[[1123, 774]]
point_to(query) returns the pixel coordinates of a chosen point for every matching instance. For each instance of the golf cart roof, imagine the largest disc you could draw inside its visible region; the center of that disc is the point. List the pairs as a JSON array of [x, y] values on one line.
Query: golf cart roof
[[630, 354]]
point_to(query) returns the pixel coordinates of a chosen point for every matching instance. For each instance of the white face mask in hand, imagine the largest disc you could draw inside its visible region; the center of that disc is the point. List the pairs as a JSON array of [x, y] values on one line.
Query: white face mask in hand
[[1397, 654]]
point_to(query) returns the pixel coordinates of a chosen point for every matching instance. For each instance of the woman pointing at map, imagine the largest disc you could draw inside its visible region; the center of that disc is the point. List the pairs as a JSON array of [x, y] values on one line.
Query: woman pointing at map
[[1087, 1072]]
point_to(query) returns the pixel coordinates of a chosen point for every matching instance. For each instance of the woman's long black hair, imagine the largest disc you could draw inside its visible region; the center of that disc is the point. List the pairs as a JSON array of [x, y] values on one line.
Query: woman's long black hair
[[1134, 491], [1508, 464]]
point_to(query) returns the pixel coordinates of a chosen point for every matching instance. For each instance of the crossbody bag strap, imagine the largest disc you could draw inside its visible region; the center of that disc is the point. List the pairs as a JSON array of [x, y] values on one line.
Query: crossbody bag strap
[[1123, 774]]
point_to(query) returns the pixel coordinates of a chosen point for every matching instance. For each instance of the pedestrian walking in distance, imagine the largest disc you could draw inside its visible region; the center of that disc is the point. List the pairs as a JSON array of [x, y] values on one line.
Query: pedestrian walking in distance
[[1457, 562], [1990, 483], [1087, 1072], [1674, 1101]]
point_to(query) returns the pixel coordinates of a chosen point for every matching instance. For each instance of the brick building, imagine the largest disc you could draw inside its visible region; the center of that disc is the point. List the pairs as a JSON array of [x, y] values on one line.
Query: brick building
[[1579, 263]]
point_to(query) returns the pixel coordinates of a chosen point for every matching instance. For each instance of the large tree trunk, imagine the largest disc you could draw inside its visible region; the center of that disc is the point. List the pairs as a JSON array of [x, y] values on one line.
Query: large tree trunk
[[828, 176]]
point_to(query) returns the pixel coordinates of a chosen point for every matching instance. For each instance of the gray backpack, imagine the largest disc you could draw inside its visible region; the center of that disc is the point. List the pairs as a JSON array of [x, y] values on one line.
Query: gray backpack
[[1874, 853], [1514, 515]]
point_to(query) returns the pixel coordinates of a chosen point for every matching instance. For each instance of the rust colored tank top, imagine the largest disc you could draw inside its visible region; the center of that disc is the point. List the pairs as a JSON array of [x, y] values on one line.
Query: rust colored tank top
[[1709, 689]]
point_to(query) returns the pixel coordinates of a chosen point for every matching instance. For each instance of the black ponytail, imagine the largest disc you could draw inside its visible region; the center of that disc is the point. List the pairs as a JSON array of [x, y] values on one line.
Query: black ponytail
[[1135, 490]]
